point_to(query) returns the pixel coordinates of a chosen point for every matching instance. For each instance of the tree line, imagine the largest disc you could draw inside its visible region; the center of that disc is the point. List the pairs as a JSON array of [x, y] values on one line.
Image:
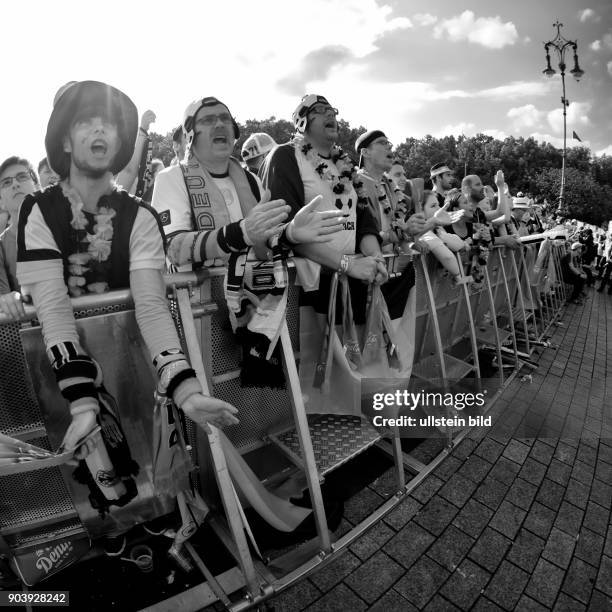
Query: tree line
[[529, 166]]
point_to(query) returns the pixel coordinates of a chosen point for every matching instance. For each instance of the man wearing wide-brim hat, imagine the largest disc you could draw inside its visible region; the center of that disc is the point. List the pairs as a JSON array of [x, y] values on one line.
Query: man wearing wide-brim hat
[[84, 235]]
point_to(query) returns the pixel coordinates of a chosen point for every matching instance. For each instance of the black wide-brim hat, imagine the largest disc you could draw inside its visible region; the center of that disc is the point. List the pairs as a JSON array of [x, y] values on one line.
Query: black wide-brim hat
[[75, 95]]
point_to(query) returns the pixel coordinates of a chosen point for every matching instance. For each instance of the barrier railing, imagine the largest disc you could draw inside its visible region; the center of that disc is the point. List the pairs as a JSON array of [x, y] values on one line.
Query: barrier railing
[[514, 306]]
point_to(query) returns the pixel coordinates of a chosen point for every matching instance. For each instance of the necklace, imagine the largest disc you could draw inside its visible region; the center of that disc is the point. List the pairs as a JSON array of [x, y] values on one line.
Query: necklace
[[88, 266]]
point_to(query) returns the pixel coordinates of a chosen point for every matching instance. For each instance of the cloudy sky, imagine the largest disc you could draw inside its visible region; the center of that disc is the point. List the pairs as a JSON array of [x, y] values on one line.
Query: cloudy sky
[[405, 66]]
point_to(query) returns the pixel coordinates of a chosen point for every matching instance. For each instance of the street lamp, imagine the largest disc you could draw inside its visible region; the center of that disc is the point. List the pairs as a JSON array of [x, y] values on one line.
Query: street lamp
[[560, 45]]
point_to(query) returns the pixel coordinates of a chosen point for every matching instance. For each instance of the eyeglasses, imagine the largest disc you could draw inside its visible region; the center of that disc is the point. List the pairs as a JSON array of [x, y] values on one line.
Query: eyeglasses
[[21, 178], [210, 120], [384, 142], [323, 110]]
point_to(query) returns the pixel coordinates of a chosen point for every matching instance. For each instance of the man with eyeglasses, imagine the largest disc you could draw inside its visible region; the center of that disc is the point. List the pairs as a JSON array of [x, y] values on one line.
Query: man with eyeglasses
[[311, 165], [17, 180]]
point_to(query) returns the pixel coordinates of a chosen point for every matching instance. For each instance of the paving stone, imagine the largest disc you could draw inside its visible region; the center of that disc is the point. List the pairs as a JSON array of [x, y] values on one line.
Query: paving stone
[[583, 472], [559, 472], [596, 518], [600, 602], [533, 471], [374, 577], [550, 494], [526, 604], [475, 468], [369, 543], [457, 490], [603, 471], [521, 493], [450, 548], [589, 546], [464, 448], [330, 575], [565, 603], [491, 493], [386, 484], [489, 449], [409, 544], [439, 604], [601, 493], [542, 452], [517, 451], [361, 505], [579, 580], [586, 453], [569, 518], [508, 519], [473, 518], [539, 520], [485, 605], [577, 493], [392, 601], [465, 584], [565, 453], [507, 585], [490, 549], [604, 577], [559, 548], [608, 544], [402, 513], [421, 581], [448, 467], [526, 550], [427, 489], [340, 599], [436, 515], [505, 470], [296, 597]]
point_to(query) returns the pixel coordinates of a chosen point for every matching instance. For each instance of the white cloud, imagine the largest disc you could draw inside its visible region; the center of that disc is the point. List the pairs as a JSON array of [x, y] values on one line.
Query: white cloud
[[424, 19], [517, 89], [527, 116], [499, 134], [588, 15], [576, 116], [595, 45], [606, 151], [466, 128], [489, 32]]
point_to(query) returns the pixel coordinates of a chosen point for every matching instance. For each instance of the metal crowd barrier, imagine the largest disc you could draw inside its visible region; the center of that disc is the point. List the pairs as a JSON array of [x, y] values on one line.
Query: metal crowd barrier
[[515, 308]]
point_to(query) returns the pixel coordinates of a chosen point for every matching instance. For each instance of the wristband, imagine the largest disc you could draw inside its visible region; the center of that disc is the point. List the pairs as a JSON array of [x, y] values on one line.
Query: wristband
[[143, 131], [345, 264], [230, 238]]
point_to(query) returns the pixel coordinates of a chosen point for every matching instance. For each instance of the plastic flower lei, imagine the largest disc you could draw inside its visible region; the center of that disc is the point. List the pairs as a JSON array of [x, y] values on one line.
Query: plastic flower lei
[[340, 180], [88, 265]]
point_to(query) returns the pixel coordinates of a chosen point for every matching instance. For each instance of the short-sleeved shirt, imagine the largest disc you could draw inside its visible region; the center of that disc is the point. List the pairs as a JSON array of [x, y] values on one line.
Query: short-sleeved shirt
[[8, 260], [45, 234]]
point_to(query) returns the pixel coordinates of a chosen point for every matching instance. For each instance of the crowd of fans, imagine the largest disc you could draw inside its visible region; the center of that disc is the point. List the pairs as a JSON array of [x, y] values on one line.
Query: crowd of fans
[[68, 229]]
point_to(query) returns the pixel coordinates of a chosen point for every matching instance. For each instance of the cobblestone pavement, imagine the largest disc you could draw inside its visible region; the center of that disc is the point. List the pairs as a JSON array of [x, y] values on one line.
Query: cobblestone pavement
[[517, 517]]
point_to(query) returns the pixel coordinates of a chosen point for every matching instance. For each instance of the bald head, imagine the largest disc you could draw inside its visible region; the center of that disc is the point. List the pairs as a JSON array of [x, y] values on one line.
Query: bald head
[[472, 186]]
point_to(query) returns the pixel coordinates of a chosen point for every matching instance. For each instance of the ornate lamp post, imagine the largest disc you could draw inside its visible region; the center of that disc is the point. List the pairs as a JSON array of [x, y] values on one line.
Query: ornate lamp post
[[560, 45]]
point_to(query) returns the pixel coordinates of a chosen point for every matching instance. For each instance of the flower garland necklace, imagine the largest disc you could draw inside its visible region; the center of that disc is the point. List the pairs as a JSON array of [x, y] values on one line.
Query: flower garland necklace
[[340, 182], [87, 266]]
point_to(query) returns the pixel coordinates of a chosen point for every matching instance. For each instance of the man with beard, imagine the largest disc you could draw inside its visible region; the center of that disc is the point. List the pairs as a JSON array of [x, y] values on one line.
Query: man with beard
[[473, 189], [442, 178], [85, 235], [17, 180]]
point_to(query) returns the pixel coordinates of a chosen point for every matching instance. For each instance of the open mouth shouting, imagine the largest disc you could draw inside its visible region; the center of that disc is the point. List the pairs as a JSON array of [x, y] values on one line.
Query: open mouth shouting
[[99, 147], [220, 138]]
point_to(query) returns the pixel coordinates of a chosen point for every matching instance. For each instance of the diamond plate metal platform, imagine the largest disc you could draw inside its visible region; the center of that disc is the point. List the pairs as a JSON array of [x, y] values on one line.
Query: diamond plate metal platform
[[335, 440], [429, 368]]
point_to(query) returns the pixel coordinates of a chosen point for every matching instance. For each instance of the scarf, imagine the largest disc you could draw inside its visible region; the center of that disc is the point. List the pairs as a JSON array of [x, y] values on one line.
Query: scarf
[[255, 291]]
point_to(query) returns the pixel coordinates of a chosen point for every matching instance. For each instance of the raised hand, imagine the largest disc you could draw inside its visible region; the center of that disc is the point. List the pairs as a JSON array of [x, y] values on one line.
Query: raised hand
[[500, 181], [203, 410], [148, 117], [264, 219], [416, 224], [12, 305], [443, 217], [312, 225]]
